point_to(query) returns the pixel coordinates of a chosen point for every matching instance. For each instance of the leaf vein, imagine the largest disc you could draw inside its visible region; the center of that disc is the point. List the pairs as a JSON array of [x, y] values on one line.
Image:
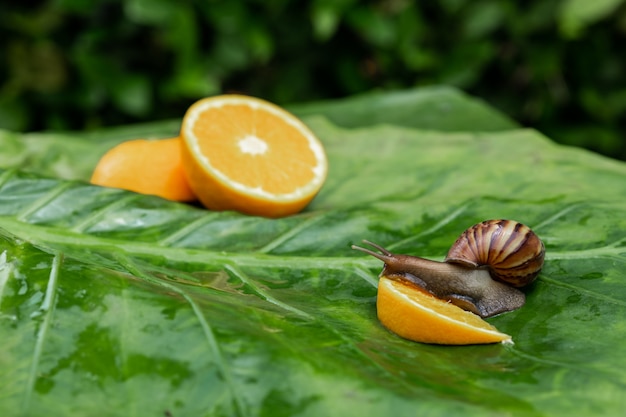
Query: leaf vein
[[98, 214], [584, 291], [207, 330], [5, 272], [186, 230], [366, 275], [557, 216], [47, 307], [279, 240], [43, 200], [264, 294], [6, 176], [437, 226], [611, 250]]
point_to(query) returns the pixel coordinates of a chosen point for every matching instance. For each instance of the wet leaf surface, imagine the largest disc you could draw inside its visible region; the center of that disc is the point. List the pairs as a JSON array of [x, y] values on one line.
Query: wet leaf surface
[[113, 303]]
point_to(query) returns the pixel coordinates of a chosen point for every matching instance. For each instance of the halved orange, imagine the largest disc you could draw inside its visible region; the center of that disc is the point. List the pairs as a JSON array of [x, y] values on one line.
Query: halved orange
[[145, 166], [416, 315], [246, 154]]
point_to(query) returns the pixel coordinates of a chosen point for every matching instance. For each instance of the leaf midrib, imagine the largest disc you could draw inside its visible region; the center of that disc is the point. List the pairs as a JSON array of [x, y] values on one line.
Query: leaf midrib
[[50, 238], [53, 239], [45, 235]]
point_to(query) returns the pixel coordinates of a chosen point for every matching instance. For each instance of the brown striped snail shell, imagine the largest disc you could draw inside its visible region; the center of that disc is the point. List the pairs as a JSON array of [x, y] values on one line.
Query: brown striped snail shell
[[511, 251], [481, 271]]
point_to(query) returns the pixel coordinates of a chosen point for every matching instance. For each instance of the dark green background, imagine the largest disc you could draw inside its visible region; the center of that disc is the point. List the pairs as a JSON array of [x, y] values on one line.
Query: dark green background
[[555, 65]]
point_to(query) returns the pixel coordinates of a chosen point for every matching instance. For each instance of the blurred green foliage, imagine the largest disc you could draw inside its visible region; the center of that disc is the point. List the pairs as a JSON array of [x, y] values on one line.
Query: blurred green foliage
[[556, 65]]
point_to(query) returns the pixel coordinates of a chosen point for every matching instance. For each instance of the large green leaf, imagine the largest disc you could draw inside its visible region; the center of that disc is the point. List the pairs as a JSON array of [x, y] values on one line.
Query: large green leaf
[[113, 303], [434, 108]]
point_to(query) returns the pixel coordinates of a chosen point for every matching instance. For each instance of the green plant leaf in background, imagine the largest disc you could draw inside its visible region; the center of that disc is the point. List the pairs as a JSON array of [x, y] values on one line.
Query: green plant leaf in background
[[575, 15], [117, 304]]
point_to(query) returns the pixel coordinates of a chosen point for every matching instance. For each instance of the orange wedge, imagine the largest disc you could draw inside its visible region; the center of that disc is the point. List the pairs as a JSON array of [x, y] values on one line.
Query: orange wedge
[[147, 167], [246, 154], [416, 315]]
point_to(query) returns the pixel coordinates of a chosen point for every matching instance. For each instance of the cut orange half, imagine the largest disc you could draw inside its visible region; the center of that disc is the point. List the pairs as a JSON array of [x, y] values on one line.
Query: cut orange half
[[246, 154], [416, 315], [145, 166]]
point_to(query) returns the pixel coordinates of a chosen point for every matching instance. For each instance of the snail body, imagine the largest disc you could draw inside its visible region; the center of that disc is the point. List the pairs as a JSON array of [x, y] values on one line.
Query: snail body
[[480, 271]]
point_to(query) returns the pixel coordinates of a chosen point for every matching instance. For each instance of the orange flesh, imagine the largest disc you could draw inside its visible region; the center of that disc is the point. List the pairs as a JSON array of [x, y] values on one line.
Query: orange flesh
[[416, 315], [245, 154], [145, 166], [272, 167]]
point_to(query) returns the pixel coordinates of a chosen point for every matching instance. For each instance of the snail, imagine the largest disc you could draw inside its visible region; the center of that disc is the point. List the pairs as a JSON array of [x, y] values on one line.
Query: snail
[[483, 269]]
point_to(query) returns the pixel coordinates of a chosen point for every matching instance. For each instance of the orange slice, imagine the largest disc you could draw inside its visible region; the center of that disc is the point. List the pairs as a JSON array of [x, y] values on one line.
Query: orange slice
[[416, 315], [147, 167], [246, 154]]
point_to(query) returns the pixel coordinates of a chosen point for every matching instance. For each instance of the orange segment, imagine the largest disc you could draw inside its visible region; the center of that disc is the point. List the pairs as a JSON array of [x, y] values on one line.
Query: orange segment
[[246, 154], [147, 167], [416, 315]]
